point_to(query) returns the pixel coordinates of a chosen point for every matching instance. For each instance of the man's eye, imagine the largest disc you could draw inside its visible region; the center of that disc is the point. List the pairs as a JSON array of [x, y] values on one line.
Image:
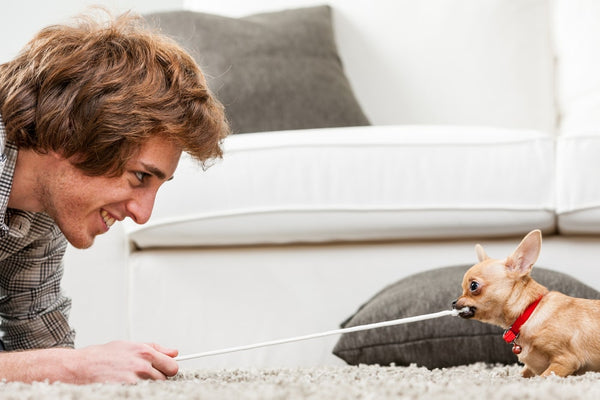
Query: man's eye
[[141, 176], [474, 286]]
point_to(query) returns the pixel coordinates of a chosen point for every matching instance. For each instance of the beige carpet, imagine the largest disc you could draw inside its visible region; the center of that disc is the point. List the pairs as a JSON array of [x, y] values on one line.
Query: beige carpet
[[477, 381]]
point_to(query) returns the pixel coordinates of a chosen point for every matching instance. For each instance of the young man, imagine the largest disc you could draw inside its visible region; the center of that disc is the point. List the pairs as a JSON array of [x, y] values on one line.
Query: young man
[[93, 119]]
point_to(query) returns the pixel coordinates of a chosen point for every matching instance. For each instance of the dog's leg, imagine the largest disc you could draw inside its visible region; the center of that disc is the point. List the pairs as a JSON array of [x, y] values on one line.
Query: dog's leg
[[561, 367], [527, 373]]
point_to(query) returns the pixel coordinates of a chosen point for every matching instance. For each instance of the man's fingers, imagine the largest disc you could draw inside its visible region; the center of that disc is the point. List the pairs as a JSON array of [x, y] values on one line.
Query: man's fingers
[[166, 365], [163, 361], [165, 350]]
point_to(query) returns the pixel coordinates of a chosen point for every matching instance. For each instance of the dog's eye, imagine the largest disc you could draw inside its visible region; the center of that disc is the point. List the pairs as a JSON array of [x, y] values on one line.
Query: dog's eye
[[474, 286]]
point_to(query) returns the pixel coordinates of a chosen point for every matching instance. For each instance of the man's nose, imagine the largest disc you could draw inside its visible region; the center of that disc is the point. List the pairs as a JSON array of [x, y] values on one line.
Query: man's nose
[[140, 208]]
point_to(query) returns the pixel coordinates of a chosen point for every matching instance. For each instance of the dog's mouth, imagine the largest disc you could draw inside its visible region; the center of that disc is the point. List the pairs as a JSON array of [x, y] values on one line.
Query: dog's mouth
[[468, 313]]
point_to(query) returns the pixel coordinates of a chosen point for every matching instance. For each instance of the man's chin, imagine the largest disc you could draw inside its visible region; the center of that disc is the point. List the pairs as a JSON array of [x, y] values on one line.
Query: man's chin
[[80, 241]]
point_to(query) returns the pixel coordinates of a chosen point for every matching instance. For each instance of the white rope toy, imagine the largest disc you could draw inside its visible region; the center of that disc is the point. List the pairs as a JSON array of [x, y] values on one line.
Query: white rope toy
[[327, 333]]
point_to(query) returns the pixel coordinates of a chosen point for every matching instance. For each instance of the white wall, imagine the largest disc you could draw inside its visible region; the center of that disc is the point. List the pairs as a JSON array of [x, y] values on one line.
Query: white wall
[[20, 20]]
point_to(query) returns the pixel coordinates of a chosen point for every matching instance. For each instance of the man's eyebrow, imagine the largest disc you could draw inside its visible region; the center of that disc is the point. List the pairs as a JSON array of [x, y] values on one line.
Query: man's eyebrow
[[156, 172]]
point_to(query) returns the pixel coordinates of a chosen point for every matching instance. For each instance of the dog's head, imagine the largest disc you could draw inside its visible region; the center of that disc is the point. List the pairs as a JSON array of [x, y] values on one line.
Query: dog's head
[[491, 287]]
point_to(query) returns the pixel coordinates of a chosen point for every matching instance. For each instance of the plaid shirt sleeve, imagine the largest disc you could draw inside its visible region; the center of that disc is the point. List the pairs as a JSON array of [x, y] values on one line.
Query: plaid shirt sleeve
[[33, 311]]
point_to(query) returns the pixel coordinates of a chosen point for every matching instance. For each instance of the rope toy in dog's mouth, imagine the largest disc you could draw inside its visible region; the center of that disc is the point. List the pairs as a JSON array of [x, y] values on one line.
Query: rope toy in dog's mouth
[[357, 328]]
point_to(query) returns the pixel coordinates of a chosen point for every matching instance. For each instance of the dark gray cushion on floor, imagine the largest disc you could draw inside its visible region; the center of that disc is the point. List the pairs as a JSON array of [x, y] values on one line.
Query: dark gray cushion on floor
[[436, 343], [272, 71]]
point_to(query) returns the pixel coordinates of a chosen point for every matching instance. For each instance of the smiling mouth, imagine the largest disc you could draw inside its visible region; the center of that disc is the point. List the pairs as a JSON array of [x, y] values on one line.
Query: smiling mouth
[[108, 220]]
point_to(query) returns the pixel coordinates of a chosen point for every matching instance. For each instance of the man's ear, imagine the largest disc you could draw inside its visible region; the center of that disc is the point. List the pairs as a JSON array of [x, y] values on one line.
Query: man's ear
[[481, 255], [526, 254]]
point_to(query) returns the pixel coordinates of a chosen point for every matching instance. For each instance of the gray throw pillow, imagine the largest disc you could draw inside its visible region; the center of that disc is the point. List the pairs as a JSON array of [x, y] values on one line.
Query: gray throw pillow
[[437, 343], [272, 71]]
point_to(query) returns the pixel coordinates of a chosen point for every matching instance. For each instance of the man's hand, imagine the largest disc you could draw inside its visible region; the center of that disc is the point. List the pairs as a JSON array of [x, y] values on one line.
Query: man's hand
[[125, 362], [116, 362]]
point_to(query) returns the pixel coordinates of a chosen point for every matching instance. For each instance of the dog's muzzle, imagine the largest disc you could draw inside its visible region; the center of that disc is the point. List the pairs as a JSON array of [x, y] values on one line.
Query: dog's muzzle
[[469, 313]]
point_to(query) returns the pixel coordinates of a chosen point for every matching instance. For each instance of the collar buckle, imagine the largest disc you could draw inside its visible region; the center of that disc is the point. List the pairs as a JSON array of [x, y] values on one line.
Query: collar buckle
[[510, 336]]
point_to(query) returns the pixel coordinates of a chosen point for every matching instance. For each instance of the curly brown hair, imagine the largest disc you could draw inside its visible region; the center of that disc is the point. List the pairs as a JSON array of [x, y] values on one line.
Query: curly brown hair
[[96, 91]]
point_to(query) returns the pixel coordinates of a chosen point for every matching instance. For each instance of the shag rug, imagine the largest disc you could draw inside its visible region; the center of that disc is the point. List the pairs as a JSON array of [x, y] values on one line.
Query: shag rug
[[477, 381]]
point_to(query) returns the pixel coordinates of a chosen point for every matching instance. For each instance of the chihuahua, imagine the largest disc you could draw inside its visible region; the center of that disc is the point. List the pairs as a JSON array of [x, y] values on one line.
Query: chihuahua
[[550, 332]]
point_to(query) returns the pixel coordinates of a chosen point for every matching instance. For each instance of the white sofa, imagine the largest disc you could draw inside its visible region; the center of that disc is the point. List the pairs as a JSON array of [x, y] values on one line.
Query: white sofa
[[486, 124]]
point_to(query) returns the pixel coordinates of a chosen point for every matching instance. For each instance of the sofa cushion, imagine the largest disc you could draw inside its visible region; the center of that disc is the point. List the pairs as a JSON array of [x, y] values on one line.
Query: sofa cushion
[[359, 183], [272, 71], [578, 170], [577, 36], [435, 343]]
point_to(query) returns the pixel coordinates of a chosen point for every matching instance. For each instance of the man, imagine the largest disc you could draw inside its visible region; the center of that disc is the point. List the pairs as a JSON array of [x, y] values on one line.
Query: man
[[93, 119]]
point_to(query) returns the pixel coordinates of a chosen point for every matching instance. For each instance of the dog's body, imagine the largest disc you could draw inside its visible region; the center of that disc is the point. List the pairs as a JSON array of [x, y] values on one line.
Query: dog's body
[[561, 336]]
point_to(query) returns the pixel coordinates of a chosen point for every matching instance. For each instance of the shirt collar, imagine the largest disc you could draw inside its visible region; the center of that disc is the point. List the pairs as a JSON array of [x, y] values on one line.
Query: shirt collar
[[8, 160]]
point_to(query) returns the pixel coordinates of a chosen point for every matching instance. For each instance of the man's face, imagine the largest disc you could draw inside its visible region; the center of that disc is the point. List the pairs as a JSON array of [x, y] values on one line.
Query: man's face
[[85, 206]]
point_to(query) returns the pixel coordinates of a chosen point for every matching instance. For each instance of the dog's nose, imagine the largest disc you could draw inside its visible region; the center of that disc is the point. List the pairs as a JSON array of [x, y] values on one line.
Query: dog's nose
[[465, 311]]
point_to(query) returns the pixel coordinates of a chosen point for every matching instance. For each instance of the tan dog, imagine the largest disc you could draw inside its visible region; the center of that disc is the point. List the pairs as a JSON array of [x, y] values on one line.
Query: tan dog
[[558, 335]]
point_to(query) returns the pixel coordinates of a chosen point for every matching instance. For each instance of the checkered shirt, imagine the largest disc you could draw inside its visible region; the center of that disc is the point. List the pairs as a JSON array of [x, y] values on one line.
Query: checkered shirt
[[33, 311]]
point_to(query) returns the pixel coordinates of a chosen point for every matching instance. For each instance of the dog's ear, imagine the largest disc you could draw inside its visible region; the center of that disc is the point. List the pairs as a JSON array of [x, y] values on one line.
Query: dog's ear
[[526, 254], [481, 255]]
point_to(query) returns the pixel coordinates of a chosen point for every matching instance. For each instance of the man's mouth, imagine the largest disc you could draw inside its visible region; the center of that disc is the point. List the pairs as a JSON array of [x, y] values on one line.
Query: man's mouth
[[108, 220]]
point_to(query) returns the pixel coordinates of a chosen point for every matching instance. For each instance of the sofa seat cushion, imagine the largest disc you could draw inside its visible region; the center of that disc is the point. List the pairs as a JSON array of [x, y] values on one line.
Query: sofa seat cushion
[[359, 183]]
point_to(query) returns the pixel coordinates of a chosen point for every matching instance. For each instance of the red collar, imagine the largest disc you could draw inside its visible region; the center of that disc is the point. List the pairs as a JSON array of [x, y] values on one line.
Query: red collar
[[511, 334]]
